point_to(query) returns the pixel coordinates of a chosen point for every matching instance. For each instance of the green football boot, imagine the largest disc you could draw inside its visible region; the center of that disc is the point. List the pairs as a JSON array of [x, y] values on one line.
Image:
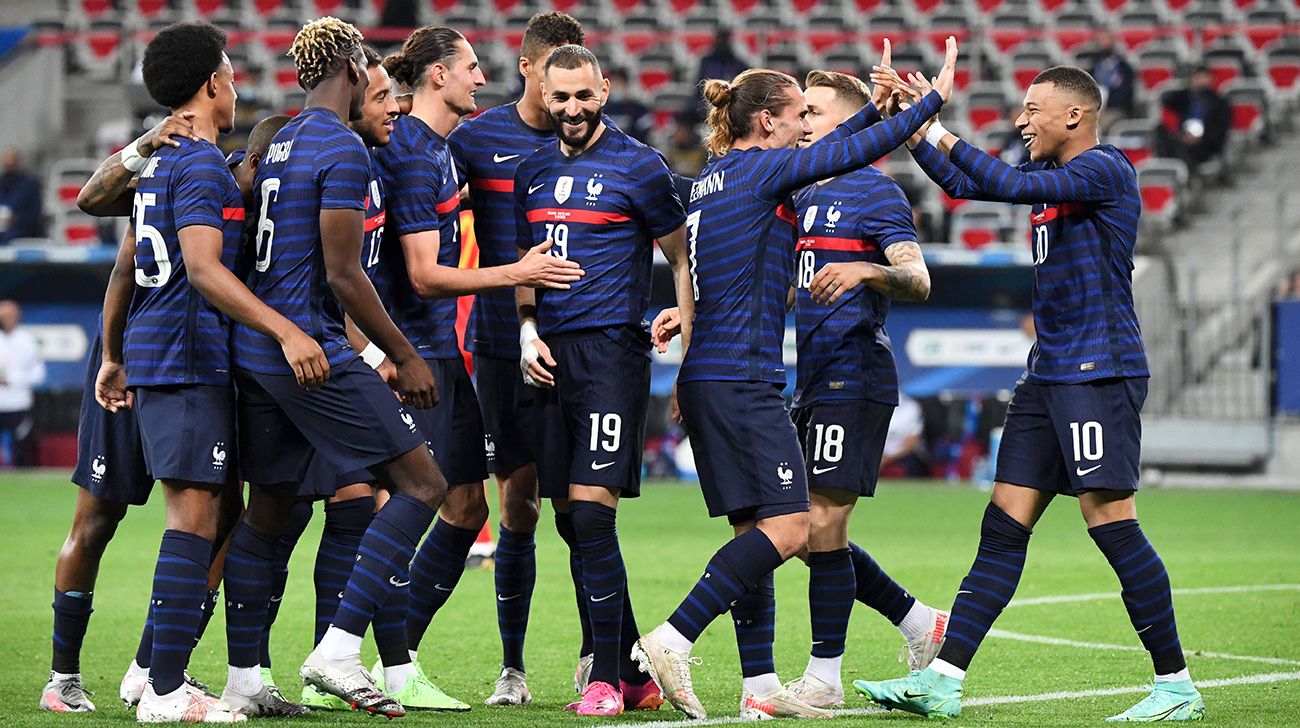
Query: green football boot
[[1178, 700], [420, 693], [317, 700], [925, 693]]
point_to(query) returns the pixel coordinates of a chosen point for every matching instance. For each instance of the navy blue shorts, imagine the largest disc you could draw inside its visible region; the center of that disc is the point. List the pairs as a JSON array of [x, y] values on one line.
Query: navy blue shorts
[[1070, 438], [323, 478], [453, 429], [188, 431], [507, 405], [843, 442], [110, 453], [746, 449], [591, 424], [354, 420]]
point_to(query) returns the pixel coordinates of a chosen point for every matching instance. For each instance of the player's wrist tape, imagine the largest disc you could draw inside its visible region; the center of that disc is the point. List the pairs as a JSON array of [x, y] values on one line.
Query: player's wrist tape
[[936, 133], [373, 356], [131, 158], [527, 332]]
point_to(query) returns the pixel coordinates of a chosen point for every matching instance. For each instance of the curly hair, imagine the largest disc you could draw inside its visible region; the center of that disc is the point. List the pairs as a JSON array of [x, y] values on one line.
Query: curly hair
[[550, 29], [322, 48], [423, 48], [732, 106], [180, 59]]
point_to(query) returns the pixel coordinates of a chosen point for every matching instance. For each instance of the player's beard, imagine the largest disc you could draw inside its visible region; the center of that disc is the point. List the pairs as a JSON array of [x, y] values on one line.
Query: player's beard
[[590, 121]]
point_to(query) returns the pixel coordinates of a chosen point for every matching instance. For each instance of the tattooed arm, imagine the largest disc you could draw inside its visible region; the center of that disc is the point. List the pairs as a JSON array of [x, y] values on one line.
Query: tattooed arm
[[905, 278], [107, 193]]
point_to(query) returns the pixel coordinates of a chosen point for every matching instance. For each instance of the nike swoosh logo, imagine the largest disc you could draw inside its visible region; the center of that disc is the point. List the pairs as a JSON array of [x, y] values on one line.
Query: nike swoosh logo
[[965, 592], [607, 596], [913, 696], [276, 599], [531, 190], [399, 584], [1140, 631], [818, 642], [1081, 472], [499, 159], [506, 599], [600, 466], [440, 587], [819, 471]]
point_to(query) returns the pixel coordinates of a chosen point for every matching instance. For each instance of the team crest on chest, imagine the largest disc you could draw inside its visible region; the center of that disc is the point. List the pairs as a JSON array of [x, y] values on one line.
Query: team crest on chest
[[594, 188], [832, 216], [563, 188], [374, 193], [809, 218]]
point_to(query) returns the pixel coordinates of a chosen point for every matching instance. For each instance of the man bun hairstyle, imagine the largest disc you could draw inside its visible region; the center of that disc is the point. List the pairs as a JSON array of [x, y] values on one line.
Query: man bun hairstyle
[[322, 48], [732, 106], [570, 57], [180, 59], [848, 89], [423, 48], [1075, 80], [550, 29]]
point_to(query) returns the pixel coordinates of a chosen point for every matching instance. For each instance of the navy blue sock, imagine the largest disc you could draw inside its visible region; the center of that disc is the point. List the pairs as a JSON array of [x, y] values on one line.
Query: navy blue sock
[[382, 559], [179, 582], [249, 572], [564, 526], [345, 525], [1145, 588], [755, 618], [876, 590], [604, 579], [71, 616], [628, 669], [210, 602], [516, 574], [832, 585], [144, 650], [390, 623], [988, 586], [436, 570], [733, 572], [299, 516]]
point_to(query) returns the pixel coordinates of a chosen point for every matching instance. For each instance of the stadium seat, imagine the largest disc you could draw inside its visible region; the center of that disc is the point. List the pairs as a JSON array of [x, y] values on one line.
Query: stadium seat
[[212, 8], [151, 8], [1283, 67], [1134, 137], [96, 9], [982, 223], [1161, 182], [986, 105], [99, 49], [1249, 101]]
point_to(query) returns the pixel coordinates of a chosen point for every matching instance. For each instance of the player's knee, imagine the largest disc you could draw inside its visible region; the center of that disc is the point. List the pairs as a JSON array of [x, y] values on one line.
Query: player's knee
[[94, 530], [519, 514], [592, 521], [465, 506], [827, 526], [788, 533]]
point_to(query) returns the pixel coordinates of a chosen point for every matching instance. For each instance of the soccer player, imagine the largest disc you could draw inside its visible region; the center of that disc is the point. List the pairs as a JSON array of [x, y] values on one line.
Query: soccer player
[[1073, 424], [311, 199], [487, 149], [601, 198], [420, 268], [742, 237], [857, 249]]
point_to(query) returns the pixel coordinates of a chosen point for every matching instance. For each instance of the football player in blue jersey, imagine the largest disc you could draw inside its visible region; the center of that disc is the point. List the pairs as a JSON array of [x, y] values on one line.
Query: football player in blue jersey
[[420, 266], [1073, 425], [601, 198], [742, 240], [487, 149]]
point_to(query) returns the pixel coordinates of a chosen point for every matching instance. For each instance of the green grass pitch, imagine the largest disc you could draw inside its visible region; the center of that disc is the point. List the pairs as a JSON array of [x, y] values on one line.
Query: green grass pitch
[[924, 535]]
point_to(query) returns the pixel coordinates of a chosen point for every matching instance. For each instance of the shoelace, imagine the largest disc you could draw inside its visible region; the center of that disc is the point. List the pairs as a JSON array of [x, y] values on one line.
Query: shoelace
[[683, 670]]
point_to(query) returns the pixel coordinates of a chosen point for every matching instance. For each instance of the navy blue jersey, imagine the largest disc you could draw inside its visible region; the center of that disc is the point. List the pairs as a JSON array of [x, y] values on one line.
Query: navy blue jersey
[[741, 233], [602, 209], [373, 244], [844, 352], [173, 335], [487, 149], [314, 163], [1085, 221], [420, 180]]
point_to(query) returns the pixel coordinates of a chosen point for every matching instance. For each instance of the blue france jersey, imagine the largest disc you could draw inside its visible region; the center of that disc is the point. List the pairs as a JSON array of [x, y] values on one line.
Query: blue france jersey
[[420, 180], [487, 150], [314, 163], [373, 244], [844, 352], [741, 233], [173, 335], [1085, 221], [602, 209]]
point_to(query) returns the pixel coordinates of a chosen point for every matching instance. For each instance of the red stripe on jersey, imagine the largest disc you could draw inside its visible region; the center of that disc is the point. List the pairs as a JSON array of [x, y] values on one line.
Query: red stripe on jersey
[[493, 185], [594, 217], [1051, 213], [375, 222], [785, 213], [851, 245], [449, 205], [232, 213]]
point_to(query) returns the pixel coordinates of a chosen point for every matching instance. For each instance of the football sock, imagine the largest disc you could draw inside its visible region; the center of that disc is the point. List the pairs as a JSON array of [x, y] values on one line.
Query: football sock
[[564, 526], [734, 571], [299, 517], [249, 567], [72, 611], [604, 579], [345, 525], [144, 650], [395, 677], [437, 567], [826, 669], [988, 586], [516, 574], [1183, 674], [180, 580], [390, 623], [764, 684], [209, 608], [244, 680], [1145, 588], [754, 615], [831, 588], [876, 590], [917, 621], [629, 670], [381, 560]]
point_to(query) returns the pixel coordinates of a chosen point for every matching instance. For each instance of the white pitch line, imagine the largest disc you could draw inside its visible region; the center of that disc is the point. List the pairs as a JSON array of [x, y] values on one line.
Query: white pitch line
[[1039, 639], [1269, 677], [1102, 596]]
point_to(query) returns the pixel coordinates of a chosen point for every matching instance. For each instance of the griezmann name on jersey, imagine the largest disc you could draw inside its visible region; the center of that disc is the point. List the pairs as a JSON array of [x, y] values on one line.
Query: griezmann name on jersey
[[314, 163], [173, 335]]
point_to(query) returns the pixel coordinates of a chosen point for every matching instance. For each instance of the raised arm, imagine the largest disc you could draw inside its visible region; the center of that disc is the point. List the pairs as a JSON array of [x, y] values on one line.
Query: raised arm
[[106, 194], [937, 167], [1086, 178]]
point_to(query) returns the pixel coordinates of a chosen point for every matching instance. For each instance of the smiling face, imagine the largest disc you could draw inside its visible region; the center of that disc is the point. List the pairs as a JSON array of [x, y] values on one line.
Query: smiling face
[[1047, 121], [825, 111], [375, 127], [574, 99], [790, 126], [462, 79]]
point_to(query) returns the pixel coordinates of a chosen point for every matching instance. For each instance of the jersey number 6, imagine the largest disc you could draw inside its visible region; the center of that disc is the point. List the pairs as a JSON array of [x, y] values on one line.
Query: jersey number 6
[[265, 225]]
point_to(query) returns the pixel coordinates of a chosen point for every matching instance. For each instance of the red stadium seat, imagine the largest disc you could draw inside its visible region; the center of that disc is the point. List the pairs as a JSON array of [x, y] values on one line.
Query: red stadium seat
[[1223, 73], [150, 8], [1114, 5], [626, 6], [1158, 199], [803, 7], [1161, 182], [79, 233], [1134, 137], [1284, 72], [926, 6], [68, 194], [265, 8], [565, 6], [1006, 39], [321, 8], [95, 8], [867, 6], [209, 8], [982, 117], [1262, 35], [681, 7], [1052, 5], [1153, 77], [1135, 37], [1071, 39], [653, 77]]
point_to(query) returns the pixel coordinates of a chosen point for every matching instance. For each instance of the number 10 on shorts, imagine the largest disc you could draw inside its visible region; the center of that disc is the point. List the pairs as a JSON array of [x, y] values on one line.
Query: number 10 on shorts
[[1087, 440]]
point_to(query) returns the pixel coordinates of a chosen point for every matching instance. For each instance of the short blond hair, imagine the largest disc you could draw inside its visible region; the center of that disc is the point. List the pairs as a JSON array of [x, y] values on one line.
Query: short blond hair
[[848, 89], [322, 48]]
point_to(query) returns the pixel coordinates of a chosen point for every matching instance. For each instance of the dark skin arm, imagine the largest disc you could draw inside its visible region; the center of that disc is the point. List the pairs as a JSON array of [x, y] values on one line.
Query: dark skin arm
[[110, 383], [341, 235], [106, 193]]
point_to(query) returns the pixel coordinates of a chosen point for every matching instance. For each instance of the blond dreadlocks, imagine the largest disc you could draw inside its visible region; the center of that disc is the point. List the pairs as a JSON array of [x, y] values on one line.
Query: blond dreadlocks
[[322, 48]]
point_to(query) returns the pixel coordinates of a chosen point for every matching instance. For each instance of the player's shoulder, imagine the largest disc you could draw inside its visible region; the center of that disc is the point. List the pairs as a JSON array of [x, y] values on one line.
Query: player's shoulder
[[1107, 157], [537, 161], [487, 122]]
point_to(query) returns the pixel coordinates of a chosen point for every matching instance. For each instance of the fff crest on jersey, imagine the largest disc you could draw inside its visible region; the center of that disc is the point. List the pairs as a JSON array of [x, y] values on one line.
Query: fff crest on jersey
[[563, 188], [809, 218]]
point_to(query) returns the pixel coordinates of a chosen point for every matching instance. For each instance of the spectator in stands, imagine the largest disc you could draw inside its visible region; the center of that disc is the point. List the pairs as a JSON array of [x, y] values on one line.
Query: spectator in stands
[[686, 154], [21, 210], [628, 113], [21, 368], [722, 62], [1194, 121], [904, 454], [1116, 77]]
